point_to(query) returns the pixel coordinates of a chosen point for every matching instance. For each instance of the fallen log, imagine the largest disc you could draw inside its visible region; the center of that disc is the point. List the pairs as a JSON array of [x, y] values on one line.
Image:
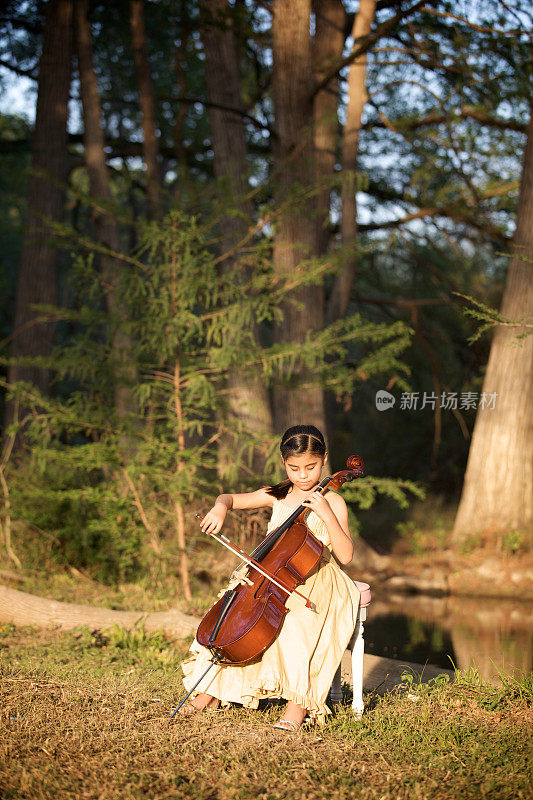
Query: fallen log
[[22, 608], [382, 675]]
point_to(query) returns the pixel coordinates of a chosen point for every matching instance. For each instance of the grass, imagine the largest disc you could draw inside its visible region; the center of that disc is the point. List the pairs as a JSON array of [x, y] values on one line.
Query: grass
[[85, 715]]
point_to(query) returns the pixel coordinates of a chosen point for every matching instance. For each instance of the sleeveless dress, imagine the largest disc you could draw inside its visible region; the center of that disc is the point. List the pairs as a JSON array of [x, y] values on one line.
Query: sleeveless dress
[[300, 664]]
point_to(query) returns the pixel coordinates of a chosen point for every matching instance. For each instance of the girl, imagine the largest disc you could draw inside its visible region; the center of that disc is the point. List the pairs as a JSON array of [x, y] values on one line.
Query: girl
[[300, 664]]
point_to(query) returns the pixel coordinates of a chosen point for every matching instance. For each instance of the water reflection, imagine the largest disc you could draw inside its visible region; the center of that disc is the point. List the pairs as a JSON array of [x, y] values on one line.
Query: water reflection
[[493, 635]]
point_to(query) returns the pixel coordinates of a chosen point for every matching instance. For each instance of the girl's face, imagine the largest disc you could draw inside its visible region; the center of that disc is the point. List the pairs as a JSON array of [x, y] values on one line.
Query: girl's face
[[304, 470]]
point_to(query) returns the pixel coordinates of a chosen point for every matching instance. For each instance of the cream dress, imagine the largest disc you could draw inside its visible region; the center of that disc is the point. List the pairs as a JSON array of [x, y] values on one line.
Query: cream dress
[[300, 664]]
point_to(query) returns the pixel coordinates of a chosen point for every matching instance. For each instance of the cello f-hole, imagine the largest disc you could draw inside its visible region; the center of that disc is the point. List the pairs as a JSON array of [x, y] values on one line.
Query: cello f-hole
[[258, 589]]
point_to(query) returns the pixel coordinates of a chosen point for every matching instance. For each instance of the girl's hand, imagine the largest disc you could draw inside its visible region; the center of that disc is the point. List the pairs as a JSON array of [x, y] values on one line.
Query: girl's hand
[[214, 519], [318, 503]]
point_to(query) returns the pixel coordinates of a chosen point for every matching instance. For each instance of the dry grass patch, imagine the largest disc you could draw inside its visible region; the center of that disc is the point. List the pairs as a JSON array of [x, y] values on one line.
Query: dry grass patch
[[86, 715]]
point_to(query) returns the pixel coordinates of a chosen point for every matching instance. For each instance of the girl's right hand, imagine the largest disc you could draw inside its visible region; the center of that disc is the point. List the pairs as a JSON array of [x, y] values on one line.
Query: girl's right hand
[[214, 519]]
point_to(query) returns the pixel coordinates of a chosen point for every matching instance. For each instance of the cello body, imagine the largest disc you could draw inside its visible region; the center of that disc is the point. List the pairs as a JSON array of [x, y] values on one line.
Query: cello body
[[258, 611], [247, 619]]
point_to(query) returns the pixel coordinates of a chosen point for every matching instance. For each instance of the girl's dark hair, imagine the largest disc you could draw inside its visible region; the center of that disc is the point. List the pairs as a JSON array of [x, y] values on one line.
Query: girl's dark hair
[[295, 441]]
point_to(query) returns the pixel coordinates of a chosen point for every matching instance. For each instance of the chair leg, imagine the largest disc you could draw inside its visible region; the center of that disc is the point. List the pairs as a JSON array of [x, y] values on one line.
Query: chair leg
[[335, 692], [358, 652]]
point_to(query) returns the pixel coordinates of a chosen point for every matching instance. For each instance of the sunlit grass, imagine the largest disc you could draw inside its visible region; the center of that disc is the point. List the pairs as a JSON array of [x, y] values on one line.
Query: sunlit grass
[[86, 714]]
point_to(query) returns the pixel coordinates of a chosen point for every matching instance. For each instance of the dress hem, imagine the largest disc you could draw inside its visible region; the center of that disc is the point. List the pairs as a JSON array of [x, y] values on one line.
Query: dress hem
[[274, 689]]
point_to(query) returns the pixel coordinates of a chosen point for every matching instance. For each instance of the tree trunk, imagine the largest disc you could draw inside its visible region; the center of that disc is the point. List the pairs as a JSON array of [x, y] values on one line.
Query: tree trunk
[[27, 609], [148, 112], [498, 486], [184, 33], [357, 96], [328, 43], [37, 280], [301, 399], [247, 398], [108, 232]]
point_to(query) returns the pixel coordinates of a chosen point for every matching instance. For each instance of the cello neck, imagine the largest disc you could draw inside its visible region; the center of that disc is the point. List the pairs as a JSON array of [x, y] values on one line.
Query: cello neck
[[266, 545], [355, 470], [321, 487]]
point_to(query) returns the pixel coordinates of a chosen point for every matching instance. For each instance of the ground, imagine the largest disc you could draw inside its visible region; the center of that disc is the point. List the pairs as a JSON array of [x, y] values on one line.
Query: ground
[[86, 715]]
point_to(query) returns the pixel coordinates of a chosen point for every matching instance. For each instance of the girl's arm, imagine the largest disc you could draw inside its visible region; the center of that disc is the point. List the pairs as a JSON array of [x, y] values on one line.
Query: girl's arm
[[214, 519], [333, 512]]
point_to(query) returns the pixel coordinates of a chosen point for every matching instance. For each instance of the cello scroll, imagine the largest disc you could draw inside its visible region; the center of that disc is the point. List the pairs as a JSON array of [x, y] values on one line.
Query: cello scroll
[[356, 469]]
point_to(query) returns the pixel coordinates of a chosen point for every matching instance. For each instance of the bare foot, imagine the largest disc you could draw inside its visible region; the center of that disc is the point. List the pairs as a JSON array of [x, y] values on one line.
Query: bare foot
[[203, 700], [200, 702], [187, 710]]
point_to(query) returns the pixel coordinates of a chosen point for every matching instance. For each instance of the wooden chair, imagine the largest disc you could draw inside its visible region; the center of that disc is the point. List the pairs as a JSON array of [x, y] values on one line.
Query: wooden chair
[[357, 646]]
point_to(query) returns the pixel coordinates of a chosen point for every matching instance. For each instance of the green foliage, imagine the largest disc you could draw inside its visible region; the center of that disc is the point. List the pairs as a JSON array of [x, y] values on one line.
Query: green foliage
[[92, 523], [444, 132], [511, 688], [105, 482], [513, 541], [491, 318], [137, 639], [470, 543], [126, 646], [420, 541], [407, 531], [363, 492], [414, 681], [7, 629]]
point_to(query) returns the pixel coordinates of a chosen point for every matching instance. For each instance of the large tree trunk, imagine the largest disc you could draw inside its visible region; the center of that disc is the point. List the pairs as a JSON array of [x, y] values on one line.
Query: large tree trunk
[[328, 43], [498, 487], [27, 609], [148, 112], [296, 229], [100, 189], [357, 96], [49, 170], [181, 77], [247, 399]]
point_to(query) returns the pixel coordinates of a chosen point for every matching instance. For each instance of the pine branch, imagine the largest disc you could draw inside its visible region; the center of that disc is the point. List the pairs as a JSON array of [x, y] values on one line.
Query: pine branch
[[473, 26], [445, 211], [438, 118], [492, 318], [23, 73]]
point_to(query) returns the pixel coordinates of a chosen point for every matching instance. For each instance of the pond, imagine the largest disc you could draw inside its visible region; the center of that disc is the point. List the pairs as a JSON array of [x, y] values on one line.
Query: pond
[[489, 633]]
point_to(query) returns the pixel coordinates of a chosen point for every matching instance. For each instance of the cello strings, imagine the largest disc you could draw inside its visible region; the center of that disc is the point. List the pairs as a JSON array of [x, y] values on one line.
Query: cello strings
[[273, 536], [257, 567]]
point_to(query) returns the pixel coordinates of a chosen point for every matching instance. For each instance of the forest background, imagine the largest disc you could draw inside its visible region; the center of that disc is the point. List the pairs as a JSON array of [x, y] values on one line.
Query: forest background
[[227, 218]]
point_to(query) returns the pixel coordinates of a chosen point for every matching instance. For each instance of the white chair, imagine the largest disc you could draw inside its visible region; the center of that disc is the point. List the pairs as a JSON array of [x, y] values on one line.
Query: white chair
[[357, 646]]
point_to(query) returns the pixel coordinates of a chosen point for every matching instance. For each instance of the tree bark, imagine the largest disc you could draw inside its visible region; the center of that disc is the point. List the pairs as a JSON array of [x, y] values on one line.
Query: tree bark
[[328, 43], [357, 96], [27, 609], [181, 112], [301, 399], [100, 189], [178, 508], [148, 109], [247, 399], [498, 486], [37, 282]]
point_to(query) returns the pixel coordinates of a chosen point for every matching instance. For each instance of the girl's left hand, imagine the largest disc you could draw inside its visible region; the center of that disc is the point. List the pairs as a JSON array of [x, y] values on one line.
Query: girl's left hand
[[318, 503]]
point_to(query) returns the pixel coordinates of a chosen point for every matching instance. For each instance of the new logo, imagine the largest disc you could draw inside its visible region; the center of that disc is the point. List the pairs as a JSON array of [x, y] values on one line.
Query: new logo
[[384, 400]]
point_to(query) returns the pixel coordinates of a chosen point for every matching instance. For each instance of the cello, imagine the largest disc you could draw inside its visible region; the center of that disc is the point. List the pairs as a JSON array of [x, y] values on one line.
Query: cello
[[247, 619]]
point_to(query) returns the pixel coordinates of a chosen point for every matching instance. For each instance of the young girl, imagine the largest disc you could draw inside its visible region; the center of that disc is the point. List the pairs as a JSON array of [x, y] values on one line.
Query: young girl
[[300, 664]]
